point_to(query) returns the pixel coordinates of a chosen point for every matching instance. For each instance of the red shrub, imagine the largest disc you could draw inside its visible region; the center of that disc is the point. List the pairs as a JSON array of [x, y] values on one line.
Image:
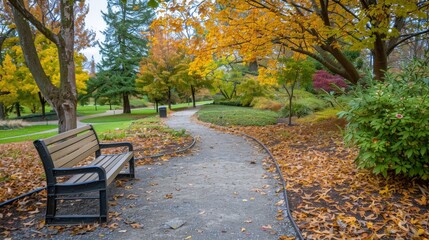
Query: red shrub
[[328, 82]]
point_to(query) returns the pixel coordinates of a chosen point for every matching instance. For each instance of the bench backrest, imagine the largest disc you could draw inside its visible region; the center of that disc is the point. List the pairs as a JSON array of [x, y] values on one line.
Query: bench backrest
[[67, 149]]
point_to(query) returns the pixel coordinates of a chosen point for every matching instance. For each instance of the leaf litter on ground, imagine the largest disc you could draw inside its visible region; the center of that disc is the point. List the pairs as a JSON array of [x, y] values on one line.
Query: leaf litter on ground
[[21, 171], [330, 197]]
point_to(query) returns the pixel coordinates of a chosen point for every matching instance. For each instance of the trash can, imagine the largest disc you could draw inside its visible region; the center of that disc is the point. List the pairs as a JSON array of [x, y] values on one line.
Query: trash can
[[162, 112]]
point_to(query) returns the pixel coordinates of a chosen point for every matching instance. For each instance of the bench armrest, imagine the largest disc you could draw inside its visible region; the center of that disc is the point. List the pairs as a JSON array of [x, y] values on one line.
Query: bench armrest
[[118, 144], [58, 172]]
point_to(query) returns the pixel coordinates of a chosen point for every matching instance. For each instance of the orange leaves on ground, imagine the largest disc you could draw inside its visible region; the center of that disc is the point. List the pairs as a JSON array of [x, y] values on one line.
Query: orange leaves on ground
[[20, 170], [331, 198]]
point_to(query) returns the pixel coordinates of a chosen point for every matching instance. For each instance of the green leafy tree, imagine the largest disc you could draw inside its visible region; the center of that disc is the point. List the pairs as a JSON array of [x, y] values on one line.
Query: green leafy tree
[[290, 74], [124, 46]]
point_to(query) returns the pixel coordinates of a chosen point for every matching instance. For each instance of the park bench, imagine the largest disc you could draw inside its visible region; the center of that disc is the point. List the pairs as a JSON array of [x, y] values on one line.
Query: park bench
[[70, 175]]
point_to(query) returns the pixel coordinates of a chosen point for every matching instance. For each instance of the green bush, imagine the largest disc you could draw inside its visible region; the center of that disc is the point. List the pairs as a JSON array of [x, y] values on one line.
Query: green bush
[[230, 102], [250, 89], [389, 122], [298, 110], [313, 103], [304, 104]]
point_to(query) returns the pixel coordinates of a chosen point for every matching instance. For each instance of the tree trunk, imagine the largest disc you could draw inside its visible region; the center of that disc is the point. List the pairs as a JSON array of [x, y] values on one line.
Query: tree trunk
[[17, 109], [193, 96], [253, 67], [169, 98], [156, 106], [380, 58], [64, 98], [127, 106], [66, 112], [290, 111], [2, 112], [43, 103]]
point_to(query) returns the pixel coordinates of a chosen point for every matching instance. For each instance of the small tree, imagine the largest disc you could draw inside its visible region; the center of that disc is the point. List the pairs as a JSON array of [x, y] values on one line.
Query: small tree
[[291, 73]]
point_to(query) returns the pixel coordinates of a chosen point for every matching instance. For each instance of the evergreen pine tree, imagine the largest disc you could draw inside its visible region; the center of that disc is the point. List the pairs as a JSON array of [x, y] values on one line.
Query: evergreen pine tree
[[123, 47]]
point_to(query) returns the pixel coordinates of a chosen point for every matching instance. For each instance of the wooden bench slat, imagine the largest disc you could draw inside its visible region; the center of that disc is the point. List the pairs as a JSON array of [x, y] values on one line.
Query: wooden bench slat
[[89, 176], [55, 147], [75, 157], [108, 162], [115, 170], [88, 142], [67, 134]]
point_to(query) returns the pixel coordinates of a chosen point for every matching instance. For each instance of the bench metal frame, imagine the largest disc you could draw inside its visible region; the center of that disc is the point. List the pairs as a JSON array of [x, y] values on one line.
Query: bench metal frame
[[96, 178]]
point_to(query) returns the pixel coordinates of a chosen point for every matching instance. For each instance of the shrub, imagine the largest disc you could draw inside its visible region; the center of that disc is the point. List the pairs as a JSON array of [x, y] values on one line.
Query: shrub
[[328, 82], [264, 103], [249, 89], [315, 104], [389, 122], [230, 102], [298, 110]]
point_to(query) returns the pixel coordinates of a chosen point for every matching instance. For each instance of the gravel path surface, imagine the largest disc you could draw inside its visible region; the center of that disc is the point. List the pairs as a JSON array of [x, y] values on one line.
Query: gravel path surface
[[219, 191]]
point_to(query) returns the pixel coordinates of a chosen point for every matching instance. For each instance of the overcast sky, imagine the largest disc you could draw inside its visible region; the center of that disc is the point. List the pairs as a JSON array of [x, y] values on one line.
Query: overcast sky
[[95, 22]]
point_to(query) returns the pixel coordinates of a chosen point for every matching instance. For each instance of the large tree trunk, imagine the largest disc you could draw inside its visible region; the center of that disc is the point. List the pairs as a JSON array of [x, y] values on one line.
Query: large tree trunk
[[380, 58], [64, 98], [126, 100]]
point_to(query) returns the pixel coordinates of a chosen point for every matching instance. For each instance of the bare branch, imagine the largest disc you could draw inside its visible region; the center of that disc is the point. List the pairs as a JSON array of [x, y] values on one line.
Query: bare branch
[[17, 4]]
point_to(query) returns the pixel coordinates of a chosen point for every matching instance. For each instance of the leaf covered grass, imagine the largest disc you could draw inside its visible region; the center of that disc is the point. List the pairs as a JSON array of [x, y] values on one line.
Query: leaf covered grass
[[330, 197], [229, 116]]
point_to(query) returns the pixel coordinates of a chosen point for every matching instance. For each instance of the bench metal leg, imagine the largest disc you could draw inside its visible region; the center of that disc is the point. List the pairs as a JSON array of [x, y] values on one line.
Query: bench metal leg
[[132, 162], [51, 208], [104, 208], [131, 170]]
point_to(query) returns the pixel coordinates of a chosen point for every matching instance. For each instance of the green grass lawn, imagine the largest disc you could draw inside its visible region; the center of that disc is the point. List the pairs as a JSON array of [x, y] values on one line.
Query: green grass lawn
[[28, 138], [101, 124], [25, 130], [91, 109], [243, 116]]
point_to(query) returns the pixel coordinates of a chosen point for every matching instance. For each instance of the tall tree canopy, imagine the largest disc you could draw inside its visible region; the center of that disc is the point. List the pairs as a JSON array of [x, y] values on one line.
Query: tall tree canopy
[[162, 70], [124, 46], [56, 21], [255, 30]]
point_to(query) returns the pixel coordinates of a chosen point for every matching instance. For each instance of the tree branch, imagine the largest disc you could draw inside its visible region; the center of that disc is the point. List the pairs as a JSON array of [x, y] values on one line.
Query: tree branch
[[17, 5], [392, 46]]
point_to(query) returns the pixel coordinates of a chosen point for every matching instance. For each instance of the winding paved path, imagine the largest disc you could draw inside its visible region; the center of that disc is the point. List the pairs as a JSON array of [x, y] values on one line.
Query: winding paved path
[[218, 191]]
